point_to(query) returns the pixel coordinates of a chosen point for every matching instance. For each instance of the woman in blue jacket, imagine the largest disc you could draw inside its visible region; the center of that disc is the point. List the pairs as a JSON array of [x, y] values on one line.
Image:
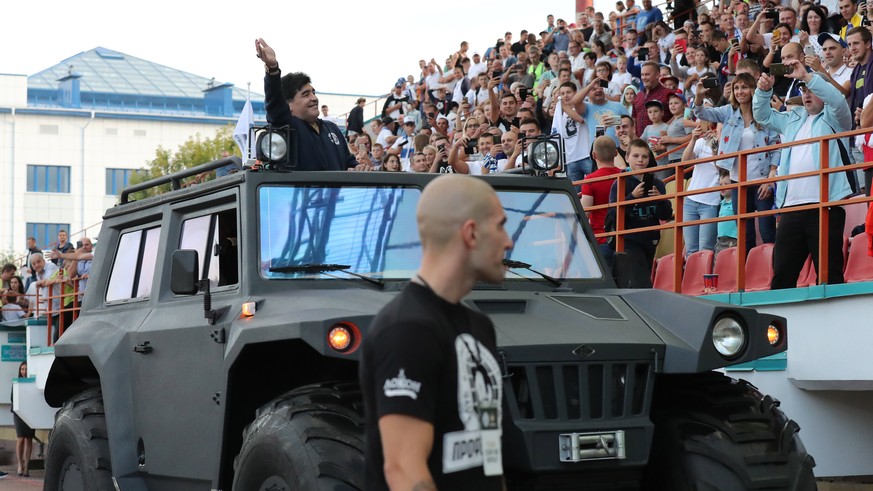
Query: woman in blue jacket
[[740, 131]]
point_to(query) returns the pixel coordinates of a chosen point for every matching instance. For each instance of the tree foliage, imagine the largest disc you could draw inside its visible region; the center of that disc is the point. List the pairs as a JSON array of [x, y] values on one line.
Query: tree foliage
[[9, 257], [195, 151]]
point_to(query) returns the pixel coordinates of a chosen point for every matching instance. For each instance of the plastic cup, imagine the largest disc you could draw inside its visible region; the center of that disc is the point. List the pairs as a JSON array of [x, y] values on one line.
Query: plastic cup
[[710, 282]]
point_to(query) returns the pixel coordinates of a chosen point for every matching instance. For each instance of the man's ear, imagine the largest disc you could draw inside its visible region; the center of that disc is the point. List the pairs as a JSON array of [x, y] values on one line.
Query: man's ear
[[469, 233]]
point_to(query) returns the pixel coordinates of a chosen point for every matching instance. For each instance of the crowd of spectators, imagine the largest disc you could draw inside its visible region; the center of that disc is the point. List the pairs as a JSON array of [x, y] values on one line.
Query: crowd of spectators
[[49, 283], [680, 92]]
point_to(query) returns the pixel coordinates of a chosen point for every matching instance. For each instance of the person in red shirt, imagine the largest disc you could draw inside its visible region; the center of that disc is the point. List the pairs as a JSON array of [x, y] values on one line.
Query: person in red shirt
[[597, 193], [652, 91]]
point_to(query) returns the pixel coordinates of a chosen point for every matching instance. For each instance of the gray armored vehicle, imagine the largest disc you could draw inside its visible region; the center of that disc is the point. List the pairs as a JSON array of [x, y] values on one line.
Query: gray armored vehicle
[[218, 342]]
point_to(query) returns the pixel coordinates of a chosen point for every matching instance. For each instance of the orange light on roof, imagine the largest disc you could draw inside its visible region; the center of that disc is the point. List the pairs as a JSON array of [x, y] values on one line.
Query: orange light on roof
[[340, 338], [248, 309], [773, 335]]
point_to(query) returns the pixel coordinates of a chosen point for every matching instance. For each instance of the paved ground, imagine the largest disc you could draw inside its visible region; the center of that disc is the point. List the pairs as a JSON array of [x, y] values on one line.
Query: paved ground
[[35, 481], [15, 483]]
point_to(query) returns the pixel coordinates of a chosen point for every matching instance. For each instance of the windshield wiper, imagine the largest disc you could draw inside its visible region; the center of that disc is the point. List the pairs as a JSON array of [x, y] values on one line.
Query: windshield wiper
[[509, 263], [325, 268]]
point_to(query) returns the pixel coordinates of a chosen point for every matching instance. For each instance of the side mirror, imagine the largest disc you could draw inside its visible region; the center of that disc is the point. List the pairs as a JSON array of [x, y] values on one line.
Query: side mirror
[[185, 272]]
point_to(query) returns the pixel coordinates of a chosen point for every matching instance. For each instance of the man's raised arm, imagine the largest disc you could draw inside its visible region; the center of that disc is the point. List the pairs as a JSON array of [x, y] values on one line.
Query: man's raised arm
[[278, 112]]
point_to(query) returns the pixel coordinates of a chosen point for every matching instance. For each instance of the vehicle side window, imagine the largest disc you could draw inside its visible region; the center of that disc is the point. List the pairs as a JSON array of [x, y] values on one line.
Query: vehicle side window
[[214, 237], [148, 263], [194, 234], [134, 266]]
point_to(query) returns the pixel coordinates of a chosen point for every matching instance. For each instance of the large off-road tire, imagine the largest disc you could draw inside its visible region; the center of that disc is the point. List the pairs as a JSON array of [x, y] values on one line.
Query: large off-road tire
[[713, 432], [78, 451], [309, 439]]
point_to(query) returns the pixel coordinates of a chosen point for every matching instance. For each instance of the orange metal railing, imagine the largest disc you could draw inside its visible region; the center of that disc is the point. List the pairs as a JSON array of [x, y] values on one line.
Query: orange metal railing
[[742, 156], [67, 309]]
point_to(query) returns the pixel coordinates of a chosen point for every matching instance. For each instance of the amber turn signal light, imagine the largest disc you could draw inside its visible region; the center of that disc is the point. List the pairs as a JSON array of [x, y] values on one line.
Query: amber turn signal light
[[340, 338], [773, 335], [344, 337], [248, 309]]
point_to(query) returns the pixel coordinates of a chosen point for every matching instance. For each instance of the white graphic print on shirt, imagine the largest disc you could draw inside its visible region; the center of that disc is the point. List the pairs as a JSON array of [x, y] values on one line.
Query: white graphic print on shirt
[[480, 393], [402, 386]]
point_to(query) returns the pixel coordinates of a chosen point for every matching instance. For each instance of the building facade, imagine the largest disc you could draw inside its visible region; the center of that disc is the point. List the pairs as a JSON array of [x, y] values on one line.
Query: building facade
[[71, 136]]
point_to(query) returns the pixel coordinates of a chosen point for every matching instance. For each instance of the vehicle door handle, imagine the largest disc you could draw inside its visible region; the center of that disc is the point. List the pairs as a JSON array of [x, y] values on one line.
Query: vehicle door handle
[[143, 349]]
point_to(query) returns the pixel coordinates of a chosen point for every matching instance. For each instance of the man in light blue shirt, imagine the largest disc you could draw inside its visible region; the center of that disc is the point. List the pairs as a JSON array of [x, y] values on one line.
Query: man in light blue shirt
[[647, 16], [598, 111], [824, 112]]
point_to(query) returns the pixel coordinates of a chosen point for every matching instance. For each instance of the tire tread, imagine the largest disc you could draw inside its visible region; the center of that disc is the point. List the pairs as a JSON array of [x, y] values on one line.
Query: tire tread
[[324, 420], [81, 419], [736, 437]]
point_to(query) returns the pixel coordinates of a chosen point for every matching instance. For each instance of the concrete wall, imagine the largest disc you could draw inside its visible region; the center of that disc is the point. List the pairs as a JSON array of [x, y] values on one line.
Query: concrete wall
[[13, 90]]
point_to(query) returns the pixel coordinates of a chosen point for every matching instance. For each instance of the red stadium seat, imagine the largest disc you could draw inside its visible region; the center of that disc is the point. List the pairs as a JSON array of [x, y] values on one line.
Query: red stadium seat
[[759, 268], [726, 269], [697, 265], [855, 215], [859, 266], [807, 275], [664, 273]]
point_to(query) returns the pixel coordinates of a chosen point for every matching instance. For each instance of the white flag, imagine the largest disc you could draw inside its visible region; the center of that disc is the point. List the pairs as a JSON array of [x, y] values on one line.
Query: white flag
[[241, 132]]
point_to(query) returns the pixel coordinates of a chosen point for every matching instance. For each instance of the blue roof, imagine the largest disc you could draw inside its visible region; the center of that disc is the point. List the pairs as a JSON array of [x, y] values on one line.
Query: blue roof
[[110, 79]]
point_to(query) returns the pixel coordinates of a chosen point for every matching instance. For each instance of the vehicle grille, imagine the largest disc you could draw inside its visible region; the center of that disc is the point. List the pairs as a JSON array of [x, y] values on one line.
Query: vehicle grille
[[579, 391]]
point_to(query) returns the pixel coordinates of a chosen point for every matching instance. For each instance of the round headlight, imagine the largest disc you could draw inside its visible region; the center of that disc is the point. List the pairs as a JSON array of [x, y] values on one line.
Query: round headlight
[[728, 337], [272, 146], [544, 155]]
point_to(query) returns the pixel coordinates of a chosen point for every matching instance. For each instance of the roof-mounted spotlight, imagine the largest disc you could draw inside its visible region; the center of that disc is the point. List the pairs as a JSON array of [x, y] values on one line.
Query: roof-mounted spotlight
[[544, 154], [276, 148]]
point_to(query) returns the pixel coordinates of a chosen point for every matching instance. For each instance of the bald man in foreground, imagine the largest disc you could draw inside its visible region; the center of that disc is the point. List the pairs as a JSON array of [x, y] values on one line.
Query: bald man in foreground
[[432, 386]]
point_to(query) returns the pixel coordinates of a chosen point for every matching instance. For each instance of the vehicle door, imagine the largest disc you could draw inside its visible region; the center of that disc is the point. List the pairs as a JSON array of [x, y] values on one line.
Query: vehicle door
[[178, 374]]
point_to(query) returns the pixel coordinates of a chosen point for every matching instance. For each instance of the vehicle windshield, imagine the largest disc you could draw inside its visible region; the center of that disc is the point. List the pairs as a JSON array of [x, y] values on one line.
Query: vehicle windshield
[[373, 231]]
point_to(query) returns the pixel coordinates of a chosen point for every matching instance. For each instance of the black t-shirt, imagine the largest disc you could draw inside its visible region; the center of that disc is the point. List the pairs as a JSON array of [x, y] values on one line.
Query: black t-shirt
[[714, 54], [442, 105], [505, 124], [433, 360], [392, 100], [63, 250], [445, 168]]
